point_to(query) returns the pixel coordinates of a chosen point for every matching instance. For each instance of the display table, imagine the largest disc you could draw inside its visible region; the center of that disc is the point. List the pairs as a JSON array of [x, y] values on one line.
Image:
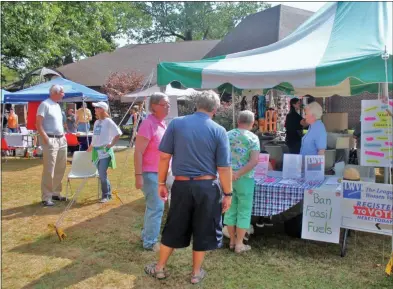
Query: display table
[[272, 198], [19, 140]]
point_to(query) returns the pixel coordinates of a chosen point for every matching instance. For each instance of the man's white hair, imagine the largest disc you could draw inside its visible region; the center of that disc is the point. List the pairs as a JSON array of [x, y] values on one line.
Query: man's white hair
[[55, 89], [245, 117], [315, 109], [207, 100]]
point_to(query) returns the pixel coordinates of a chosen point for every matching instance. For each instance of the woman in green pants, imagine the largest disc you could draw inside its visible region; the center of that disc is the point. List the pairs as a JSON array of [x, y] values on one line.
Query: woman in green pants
[[245, 152]]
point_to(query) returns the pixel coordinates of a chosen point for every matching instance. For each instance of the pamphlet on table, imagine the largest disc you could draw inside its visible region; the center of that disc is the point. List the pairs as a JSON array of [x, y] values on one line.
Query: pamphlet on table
[[314, 168], [292, 168], [262, 167]]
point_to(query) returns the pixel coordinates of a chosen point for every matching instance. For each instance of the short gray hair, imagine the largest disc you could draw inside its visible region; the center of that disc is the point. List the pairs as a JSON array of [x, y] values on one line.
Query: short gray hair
[[207, 100], [155, 98], [55, 89], [315, 109], [246, 117]]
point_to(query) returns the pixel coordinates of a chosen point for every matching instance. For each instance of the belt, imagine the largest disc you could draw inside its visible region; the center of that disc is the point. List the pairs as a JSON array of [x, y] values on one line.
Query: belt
[[55, 136], [200, 178]]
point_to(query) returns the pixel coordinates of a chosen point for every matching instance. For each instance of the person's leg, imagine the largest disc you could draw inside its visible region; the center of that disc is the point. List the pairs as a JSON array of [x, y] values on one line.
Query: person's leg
[[60, 166], [165, 253], [197, 261], [154, 210], [245, 189], [49, 162], [230, 219], [102, 167]]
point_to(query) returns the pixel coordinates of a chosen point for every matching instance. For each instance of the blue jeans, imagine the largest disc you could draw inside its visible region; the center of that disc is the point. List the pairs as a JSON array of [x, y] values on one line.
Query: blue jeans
[[154, 210], [102, 167], [83, 127], [12, 130]]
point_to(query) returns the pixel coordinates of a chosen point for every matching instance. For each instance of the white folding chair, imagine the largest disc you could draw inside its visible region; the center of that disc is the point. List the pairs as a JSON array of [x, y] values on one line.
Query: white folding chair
[[82, 168]]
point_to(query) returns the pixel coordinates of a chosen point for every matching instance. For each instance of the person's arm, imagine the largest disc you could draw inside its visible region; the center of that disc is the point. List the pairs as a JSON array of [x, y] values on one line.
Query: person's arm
[[76, 118], [253, 161], [140, 147], [89, 114], [321, 142], [163, 168], [40, 129]]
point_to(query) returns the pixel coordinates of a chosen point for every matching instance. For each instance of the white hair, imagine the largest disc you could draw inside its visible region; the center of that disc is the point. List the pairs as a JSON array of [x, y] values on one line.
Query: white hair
[[207, 100], [315, 109], [246, 117], [55, 89], [155, 98]]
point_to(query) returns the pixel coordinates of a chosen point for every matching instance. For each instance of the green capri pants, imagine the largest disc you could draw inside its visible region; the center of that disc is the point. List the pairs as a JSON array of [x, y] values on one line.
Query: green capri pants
[[239, 214]]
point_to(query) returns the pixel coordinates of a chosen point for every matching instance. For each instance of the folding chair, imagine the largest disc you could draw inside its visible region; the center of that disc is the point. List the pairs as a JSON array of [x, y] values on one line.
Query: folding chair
[[82, 168], [5, 148], [72, 141]]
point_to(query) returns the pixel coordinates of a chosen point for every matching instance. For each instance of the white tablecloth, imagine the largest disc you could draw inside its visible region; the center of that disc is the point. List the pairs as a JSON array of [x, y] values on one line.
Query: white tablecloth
[[18, 140]]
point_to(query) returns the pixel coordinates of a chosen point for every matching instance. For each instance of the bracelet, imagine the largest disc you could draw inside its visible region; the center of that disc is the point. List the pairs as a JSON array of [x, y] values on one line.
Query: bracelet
[[162, 183], [227, 194]]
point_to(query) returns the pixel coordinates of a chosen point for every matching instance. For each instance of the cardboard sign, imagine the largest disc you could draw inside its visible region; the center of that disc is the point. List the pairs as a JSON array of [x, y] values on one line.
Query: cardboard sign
[[376, 134], [262, 167], [314, 168], [367, 207], [292, 168], [321, 215]]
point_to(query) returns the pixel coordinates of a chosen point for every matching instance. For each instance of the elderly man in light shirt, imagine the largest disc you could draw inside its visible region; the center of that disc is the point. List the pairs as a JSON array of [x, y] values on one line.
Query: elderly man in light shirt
[[50, 128]]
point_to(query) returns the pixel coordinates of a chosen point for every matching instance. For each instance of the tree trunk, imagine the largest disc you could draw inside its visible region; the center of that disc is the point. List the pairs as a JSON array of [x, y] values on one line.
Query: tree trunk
[[68, 59], [188, 35]]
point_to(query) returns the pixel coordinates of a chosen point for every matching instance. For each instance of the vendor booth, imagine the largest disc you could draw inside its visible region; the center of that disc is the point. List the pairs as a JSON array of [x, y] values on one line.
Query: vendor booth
[[345, 48]]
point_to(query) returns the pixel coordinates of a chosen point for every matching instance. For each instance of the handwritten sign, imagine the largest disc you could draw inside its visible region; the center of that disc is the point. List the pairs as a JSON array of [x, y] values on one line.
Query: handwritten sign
[[315, 168], [321, 215], [292, 168], [376, 136], [365, 205], [262, 167]]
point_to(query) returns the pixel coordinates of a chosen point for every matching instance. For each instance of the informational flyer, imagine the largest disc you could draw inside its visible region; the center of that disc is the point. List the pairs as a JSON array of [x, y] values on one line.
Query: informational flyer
[[262, 167], [367, 207], [376, 134], [292, 167], [314, 168], [321, 215]]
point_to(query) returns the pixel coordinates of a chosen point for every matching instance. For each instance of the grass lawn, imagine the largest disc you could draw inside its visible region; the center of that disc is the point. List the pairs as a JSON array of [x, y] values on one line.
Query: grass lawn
[[103, 248]]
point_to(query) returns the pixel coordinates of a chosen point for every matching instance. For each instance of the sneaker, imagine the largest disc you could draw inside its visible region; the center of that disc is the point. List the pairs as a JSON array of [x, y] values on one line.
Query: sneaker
[[104, 200], [268, 222], [48, 203], [59, 198], [264, 221]]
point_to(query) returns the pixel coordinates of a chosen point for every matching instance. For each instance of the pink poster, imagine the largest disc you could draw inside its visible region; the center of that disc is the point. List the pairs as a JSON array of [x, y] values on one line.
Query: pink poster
[[262, 166]]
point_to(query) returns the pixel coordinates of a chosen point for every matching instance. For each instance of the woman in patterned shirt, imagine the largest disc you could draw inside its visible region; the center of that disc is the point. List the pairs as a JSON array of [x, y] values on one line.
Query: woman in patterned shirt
[[245, 149]]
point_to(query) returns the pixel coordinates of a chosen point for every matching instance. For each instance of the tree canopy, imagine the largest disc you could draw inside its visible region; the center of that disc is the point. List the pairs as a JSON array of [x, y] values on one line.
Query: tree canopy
[[193, 20]]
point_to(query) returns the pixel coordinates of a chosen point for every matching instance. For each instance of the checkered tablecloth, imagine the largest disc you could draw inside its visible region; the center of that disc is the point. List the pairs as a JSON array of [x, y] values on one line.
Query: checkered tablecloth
[[272, 198]]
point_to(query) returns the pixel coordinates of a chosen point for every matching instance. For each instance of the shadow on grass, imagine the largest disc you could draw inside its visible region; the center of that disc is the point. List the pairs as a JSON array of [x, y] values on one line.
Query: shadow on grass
[[106, 242], [37, 209], [19, 164]]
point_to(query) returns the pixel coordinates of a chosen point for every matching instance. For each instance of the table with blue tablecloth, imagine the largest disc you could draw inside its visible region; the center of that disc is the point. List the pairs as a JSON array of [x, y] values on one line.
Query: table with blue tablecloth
[[272, 198]]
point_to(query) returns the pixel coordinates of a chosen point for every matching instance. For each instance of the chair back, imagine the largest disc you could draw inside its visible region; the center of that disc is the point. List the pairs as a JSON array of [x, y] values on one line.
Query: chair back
[[4, 145], [82, 165], [72, 139]]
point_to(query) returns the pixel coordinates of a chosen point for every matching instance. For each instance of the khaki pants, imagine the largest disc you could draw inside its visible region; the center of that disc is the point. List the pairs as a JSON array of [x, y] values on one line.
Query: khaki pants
[[55, 162]]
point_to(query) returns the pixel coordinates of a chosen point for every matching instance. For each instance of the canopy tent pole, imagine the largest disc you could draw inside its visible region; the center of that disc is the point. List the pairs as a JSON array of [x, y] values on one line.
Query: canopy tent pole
[[132, 104], [2, 117]]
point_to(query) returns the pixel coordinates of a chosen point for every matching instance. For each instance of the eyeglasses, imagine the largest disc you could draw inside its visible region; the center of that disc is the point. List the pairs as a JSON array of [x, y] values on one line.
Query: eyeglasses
[[165, 105]]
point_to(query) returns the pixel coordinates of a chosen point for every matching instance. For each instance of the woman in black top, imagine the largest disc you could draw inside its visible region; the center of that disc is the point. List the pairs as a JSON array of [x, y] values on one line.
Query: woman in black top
[[294, 127]]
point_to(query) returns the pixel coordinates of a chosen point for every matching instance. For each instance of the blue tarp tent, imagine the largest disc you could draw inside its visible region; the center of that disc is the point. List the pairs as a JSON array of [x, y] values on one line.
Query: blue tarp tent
[[73, 92], [3, 92]]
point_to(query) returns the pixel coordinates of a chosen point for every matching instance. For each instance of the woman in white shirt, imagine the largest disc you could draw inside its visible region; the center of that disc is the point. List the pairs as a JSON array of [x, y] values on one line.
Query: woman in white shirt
[[105, 135]]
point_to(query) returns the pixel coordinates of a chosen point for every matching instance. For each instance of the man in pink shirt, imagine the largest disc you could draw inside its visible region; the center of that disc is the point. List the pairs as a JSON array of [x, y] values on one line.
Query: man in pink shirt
[[146, 159]]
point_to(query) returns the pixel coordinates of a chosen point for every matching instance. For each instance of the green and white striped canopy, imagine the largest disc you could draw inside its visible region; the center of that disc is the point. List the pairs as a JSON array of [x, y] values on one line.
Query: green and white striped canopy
[[336, 51]]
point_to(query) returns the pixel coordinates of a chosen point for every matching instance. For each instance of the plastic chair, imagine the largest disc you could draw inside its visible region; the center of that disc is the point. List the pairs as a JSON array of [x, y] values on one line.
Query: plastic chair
[[4, 147], [82, 168], [72, 141]]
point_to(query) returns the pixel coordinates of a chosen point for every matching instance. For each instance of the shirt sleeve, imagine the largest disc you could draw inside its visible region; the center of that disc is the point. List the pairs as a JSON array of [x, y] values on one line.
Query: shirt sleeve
[[321, 141], [42, 110], [255, 145], [223, 152], [114, 129], [167, 144], [145, 130]]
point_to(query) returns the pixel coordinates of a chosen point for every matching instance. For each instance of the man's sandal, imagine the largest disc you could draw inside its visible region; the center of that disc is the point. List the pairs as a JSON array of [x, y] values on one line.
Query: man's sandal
[[158, 274], [195, 279]]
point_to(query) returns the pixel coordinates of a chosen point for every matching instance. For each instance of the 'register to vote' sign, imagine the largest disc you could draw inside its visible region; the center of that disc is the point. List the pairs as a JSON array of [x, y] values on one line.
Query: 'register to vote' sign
[[322, 215]]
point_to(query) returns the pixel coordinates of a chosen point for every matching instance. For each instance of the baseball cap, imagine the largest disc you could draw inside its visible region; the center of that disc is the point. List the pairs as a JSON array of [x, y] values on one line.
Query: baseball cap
[[101, 104]]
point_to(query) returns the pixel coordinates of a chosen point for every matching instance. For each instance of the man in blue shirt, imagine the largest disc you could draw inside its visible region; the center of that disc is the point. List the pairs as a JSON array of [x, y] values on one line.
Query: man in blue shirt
[[199, 149]]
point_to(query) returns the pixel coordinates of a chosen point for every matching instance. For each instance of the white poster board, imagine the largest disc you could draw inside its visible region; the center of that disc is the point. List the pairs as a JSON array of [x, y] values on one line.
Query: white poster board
[[376, 134], [292, 168], [314, 168], [262, 167], [367, 207], [321, 215]]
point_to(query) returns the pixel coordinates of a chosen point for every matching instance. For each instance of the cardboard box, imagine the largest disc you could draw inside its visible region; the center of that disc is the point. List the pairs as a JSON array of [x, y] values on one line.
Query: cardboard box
[[335, 122]]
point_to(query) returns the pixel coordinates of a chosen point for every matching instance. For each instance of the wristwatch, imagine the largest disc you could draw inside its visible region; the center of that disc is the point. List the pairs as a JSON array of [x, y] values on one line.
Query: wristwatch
[[227, 194]]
